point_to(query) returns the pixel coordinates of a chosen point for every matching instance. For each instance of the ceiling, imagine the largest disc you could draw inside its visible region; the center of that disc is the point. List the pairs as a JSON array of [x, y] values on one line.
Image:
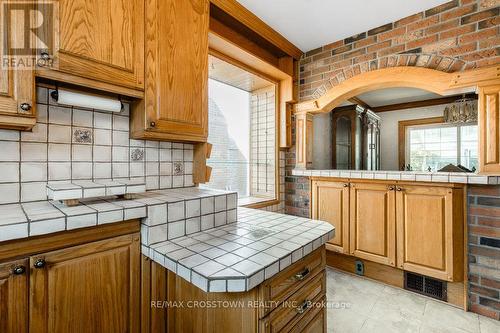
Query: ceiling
[[227, 73], [390, 96], [396, 96], [310, 24]]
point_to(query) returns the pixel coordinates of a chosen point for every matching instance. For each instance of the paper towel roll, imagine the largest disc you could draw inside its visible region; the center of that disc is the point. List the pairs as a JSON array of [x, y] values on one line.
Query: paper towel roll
[[87, 101]]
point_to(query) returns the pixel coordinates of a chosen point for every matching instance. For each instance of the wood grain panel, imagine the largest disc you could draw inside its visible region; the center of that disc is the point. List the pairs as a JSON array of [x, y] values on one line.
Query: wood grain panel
[[175, 105], [489, 129], [372, 227], [99, 40], [88, 288], [330, 203], [427, 231], [16, 86], [14, 297]]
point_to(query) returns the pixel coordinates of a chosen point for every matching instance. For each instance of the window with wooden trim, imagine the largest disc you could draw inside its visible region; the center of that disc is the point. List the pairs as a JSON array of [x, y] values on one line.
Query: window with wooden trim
[[243, 131], [437, 145]]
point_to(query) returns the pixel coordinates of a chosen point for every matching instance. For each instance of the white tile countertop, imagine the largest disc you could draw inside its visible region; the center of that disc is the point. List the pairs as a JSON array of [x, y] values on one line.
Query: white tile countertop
[[419, 176], [89, 189], [45, 217], [239, 256]]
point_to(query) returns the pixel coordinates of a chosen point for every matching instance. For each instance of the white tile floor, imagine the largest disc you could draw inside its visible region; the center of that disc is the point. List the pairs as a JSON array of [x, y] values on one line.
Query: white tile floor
[[362, 305]]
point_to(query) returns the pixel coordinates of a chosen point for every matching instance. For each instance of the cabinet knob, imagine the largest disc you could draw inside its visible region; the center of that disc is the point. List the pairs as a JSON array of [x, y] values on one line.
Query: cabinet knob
[[399, 189], [25, 107], [391, 188], [45, 55], [39, 263], [346, 185], [19, 269]]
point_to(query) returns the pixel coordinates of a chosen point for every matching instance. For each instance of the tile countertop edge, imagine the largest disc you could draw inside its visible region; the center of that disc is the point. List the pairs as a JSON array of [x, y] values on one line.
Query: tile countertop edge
[[419, 176], [241, 282], [25, 220]]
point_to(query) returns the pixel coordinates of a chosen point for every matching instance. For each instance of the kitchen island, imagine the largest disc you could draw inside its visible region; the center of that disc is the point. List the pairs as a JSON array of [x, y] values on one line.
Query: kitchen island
[[266, 266]]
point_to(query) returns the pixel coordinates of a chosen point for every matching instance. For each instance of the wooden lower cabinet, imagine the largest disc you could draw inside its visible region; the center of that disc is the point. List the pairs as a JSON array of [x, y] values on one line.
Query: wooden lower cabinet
[[430, 231], [87, 288], [78, 281], [291, 301], [372, 222], [330, 203], [414, 227], [14, 296]]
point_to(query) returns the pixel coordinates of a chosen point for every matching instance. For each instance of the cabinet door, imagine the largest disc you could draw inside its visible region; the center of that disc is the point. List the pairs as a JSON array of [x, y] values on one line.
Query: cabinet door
[[176, 96], [489, 129], [14, 296], [99, 40], [88, 288], [372, 225], [429, 225], [330, 203], [17, 107]]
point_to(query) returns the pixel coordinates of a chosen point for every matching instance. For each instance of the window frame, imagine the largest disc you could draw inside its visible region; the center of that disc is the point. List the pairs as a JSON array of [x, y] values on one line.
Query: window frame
[[255, 202], [426, 123]]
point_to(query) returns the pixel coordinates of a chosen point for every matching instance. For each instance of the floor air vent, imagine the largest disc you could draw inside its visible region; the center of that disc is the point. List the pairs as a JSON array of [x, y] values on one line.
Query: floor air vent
[[425, 285]]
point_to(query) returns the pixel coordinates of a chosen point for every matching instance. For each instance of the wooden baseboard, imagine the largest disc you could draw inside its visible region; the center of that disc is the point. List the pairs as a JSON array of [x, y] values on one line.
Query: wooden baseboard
[[389, 275]]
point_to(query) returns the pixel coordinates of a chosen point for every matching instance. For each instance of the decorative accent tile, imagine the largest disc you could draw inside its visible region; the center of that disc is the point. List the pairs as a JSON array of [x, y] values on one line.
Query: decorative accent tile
[[82, 135], [178, 168]]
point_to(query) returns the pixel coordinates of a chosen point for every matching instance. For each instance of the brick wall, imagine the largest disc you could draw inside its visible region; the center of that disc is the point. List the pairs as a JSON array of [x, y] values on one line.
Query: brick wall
[[457, 35], [484, 250]]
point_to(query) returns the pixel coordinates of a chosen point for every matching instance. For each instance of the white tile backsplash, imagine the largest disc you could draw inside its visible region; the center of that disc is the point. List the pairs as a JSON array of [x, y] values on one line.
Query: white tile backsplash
[[49, 153]]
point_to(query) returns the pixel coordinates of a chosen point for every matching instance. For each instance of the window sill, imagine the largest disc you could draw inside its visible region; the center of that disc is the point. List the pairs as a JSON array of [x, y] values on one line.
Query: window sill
[[256, 202]]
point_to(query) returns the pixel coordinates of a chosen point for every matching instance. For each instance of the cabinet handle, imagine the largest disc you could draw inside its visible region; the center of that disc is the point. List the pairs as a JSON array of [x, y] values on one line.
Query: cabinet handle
[[346, 185], [39, 263], [391, 188], [152, 124], [302, 275], [19, 269], [303, 307], [400, 189], [25, 107]]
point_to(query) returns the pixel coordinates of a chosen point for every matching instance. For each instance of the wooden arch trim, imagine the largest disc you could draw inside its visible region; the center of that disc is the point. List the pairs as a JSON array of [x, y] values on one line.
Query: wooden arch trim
[[409, 77]]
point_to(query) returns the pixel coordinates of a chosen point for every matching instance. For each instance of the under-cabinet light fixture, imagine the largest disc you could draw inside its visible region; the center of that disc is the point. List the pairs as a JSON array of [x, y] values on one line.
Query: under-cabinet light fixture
[[72, 98]]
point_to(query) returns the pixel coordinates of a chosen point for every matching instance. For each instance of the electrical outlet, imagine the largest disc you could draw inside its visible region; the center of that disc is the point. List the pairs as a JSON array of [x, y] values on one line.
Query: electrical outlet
[[359, 267]]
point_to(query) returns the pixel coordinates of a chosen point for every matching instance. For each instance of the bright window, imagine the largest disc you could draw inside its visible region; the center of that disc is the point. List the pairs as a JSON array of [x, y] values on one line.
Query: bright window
[[436, 146], [242, 127]]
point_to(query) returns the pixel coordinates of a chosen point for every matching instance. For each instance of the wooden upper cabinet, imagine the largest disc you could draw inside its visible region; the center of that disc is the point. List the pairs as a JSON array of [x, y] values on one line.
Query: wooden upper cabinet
[[17, 85], [14, 296], [430, 231], [88, 288], [175, 106], [98, 40], [330, 203], [489, 129], [372, 222]]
